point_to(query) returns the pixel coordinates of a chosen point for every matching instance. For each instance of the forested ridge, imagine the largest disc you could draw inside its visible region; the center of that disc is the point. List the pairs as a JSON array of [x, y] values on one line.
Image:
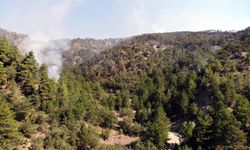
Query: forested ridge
[[196, 84]]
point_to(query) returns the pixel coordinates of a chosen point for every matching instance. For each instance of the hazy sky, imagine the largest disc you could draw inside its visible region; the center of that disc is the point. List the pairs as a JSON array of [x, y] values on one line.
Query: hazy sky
[[120, 18]]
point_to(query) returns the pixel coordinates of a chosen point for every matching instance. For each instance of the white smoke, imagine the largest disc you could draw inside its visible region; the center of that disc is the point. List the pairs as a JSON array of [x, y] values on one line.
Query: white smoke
[[44, 21], [47, 52]]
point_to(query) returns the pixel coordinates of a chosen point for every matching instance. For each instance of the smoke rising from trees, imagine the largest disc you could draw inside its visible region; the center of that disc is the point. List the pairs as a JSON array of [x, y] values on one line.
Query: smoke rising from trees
[[43, 32]]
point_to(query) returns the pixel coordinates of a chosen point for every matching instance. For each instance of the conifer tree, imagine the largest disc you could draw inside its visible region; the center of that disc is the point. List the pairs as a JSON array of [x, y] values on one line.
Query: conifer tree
[[46, 85], [46, 90], [242, 110], [158, 129], [87, 138], [8, 54], [62, 93], [184, 102], [4, 50], [27, 74], [226, 130], [3, 76], [8, 125]]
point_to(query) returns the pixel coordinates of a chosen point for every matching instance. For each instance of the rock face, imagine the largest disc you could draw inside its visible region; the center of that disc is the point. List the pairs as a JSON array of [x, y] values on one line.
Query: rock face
[[174, 138]]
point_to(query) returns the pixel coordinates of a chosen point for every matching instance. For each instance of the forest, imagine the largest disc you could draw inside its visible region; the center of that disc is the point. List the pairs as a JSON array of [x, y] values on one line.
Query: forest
[[193, 84]]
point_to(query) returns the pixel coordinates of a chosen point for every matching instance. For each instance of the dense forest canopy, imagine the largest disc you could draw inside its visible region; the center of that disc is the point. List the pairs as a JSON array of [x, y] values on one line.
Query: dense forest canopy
[[144, 88]]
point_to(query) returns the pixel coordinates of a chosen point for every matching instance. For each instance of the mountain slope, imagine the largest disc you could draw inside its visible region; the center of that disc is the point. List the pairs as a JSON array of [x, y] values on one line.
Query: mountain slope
[[145, 88], [13, 37]]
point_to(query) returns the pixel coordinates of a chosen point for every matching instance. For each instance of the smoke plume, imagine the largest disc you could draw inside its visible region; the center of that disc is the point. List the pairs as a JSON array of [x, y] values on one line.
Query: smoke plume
[[46, 52], [45, 27]]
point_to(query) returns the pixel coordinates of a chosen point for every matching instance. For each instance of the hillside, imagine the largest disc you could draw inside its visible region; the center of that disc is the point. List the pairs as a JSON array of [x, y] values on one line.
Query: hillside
[[13, 37], [78, 50], [140, 54], [180, 90], [81, 50]]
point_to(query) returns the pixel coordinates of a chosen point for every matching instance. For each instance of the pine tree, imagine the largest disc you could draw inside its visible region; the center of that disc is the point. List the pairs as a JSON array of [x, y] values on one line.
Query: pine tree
[[46, 85], [46, 90], [8, 53], [3, 76], [187, 129], [158, 77], [8, 125], [157, 97], [62, 93], [229, 92], [27, 74], [87, 138], [158, 129], [202, 131], [242, 110], [184, 102], [191, 88], [226, 130], [4, 51]]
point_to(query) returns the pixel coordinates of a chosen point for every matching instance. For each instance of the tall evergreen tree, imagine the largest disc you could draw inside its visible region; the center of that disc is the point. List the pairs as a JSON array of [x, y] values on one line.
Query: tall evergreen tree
[[158, 128], [27, 74], [62, 93], [226, 130], [8, 53], [8, 125], [46, 88], [3, 76], [202, 131], [4, 51], [184, 102]]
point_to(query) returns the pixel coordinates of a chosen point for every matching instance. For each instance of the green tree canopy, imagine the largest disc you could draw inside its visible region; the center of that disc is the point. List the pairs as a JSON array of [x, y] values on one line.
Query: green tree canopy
[[8, 125], [158, 128]]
